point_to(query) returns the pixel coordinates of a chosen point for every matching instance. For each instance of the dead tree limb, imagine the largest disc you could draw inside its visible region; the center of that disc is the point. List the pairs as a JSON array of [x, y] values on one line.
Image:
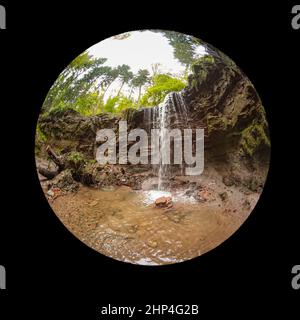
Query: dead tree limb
[[56, 159], [47, 173], [58, 162]]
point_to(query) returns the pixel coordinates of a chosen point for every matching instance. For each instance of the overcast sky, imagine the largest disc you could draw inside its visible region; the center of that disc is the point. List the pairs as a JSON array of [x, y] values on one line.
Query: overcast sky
[[140, 50]]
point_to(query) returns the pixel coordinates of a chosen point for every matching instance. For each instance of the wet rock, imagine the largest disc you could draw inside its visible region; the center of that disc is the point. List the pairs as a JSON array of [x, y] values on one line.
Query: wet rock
[[150, 184], [50, 193], [232, 180], [247, 204], [224, 196], [189, 192], [69, 125], [163, 202], [202, 195], [178, 184], [64, 181], [254, 185], [228, 181]]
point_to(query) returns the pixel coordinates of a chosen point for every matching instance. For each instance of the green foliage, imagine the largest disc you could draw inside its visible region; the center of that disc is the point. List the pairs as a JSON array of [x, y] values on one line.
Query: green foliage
[[184, 46], [110, 105], [140, 80], [162, 85], [88, 104], [40, 135], [119, 103], [75, 160], [83, 85], [75, 156], [40, 139], [125, 103], [76, 81], [125, 75]]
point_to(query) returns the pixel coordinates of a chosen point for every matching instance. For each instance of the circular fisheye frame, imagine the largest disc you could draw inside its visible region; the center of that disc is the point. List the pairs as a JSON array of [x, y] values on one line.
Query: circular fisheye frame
[[152, 147]]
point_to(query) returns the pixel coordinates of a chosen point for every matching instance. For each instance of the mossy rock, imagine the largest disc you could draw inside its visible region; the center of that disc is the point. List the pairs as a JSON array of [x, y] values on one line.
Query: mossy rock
[[253, 138], [75, 161]]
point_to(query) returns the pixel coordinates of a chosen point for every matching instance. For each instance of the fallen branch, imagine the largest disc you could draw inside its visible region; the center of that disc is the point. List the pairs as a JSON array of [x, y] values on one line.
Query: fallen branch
[[47, 173], [56, 159], [58, 162]]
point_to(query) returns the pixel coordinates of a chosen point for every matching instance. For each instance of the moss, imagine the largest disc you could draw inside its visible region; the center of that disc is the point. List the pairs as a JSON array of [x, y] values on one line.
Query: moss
[[40, 134], [75, 156], [75, 160], [40, 140], [216, 123], [194, 84], [253, 137], [200, 69]]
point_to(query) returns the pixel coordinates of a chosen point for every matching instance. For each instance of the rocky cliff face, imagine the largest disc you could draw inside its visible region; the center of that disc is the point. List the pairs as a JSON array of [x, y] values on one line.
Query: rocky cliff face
[[218, 98], [67, 130], [222, 100]]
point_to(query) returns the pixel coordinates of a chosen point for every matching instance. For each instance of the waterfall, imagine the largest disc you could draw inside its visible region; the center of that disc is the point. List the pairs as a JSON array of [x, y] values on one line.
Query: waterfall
[[164, 124], [171, 113]]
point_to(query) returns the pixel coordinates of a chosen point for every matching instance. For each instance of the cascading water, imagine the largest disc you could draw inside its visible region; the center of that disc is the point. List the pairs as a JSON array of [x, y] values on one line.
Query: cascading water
[[164, 123], [171, 113]]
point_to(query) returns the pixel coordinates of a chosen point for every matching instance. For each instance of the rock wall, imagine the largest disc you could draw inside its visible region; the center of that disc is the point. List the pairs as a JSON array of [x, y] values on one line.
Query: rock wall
[[222, 100], [218, 98]]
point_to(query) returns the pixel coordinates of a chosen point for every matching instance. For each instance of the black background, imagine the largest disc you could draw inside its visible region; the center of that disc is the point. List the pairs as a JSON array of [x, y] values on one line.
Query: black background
[[49, 271]]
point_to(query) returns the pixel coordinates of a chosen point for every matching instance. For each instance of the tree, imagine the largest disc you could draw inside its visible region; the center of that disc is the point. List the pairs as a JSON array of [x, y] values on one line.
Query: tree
[[155, 68], [124, 103], [140, 80], [118, 103], [125, 75], [110, 77], [184, 46], [74, 82], [85, 103], [162, 85], [110, 105]]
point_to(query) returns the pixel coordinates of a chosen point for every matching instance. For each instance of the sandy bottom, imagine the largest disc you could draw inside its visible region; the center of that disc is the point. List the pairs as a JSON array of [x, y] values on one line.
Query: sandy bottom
[[126, 225]]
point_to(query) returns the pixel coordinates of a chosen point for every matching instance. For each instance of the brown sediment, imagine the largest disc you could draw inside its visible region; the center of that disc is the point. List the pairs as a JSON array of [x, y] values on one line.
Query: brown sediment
[[116, 222]]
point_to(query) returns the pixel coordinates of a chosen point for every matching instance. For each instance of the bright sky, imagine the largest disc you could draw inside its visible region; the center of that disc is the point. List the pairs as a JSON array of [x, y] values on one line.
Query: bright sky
[[139, 51]]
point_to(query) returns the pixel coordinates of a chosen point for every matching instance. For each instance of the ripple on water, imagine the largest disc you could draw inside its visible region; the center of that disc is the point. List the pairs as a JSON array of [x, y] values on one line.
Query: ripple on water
[[125, 225]]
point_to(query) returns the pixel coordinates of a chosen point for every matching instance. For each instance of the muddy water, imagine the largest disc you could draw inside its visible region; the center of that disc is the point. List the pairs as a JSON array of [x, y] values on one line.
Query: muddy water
[[119, 223]]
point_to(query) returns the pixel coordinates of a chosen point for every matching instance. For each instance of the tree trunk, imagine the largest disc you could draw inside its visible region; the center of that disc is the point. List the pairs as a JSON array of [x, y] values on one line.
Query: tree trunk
[[140, 89], [121, 88], [130, 92], [108, 87]]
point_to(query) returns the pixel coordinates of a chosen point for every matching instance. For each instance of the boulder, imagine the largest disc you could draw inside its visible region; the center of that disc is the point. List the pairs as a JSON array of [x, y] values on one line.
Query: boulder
[[163, 202]]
